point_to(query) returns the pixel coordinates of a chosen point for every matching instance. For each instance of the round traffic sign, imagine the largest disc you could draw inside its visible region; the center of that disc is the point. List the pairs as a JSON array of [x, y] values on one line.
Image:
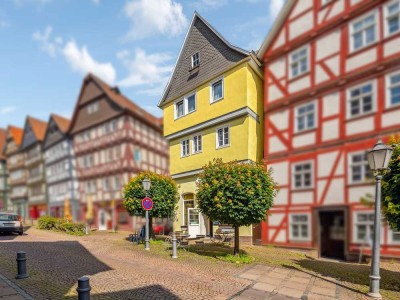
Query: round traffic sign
[[147, 203]]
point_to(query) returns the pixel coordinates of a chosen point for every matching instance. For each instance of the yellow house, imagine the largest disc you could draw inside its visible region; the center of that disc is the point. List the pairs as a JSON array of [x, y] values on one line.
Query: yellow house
[[213, 108]]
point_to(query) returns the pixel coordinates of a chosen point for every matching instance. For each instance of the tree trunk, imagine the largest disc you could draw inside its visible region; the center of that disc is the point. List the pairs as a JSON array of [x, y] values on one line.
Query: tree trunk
[[236, 246]]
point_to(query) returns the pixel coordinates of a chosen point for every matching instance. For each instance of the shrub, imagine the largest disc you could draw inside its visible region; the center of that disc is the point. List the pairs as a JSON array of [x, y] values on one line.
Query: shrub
[[64, 225]]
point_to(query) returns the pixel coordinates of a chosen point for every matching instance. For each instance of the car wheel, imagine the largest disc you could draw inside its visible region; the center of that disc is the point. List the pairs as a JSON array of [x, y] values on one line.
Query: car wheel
[[21, 232]]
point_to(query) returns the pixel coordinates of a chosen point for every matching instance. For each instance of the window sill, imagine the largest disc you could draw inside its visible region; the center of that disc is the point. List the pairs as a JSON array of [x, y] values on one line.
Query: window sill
[[299, 190], [185, 115], [222, 147], [292, 240], [194, 68], [305, 131], [215, 101], [185, 156], [392, 107], [198, 152], [361, 116], [297, 77], [362, 49], [360, 184]]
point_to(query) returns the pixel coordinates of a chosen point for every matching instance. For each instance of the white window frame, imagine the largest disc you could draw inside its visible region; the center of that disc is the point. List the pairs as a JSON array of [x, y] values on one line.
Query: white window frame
[[391, 232], [216, 137], [388, 87], [348, 99], [185, 105], [350, 164], [324, 2], [212, 89], [356, 222], [387, 16], [308, 223], [311, 162], [376, 31], [307, 47], [193, 60], [93, 107], [297, 115], [188, 145], [193, 143]]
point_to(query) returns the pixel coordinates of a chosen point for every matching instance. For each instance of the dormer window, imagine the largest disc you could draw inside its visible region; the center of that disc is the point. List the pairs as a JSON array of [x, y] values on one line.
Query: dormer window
[[93, 107], [195, 60]]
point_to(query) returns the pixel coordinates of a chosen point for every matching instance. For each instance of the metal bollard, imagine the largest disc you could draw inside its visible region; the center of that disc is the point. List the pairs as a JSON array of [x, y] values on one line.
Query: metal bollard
[[174, 252], [21, 265], [83, 288], [87, 228]]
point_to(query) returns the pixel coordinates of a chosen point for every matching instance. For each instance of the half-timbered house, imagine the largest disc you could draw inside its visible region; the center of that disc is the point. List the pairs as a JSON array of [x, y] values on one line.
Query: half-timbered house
[[332, 86], [113, 140]]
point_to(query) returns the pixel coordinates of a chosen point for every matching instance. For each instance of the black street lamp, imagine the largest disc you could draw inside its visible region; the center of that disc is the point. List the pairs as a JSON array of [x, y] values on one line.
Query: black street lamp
[[378, 160]]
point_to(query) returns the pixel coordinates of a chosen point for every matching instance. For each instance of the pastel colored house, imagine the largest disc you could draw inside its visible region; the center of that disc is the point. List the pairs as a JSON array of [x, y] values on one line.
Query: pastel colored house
[[332, 86], [5, 203], [212, 108]]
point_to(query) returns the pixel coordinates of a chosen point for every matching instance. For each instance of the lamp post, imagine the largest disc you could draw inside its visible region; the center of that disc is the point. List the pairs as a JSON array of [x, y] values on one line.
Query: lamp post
[[146, 186], [378, 160]]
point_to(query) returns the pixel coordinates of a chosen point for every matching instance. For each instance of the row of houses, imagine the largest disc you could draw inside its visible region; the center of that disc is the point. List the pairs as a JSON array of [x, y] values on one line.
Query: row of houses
[[311, 101], [81, 164], [317, 94]]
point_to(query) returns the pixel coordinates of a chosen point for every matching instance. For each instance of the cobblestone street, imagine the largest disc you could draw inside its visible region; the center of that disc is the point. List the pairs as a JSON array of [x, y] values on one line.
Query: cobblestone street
[[118, 270]]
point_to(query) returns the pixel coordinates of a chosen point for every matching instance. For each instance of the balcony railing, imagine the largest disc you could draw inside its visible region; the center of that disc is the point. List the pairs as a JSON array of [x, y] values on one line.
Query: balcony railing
[[16, 181]]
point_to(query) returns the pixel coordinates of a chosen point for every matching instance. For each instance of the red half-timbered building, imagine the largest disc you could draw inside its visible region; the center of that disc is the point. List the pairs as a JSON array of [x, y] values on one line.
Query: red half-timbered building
[[113, 140], [332, 86]]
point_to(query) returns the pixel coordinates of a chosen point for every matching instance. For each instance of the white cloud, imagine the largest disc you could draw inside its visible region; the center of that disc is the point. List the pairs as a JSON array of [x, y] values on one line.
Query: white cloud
[[7, 109], [47, 43], [211, 3], [96, 2], [149, 70], [81, 61], [150, 17], [275, 7]]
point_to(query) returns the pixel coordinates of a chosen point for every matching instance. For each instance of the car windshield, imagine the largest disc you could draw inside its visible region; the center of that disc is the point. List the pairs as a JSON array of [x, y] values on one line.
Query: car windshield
[[8, 218]]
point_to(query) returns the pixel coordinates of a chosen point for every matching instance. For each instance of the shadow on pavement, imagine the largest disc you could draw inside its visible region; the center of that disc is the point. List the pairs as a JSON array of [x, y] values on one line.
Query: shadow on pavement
[[353, 273], [8, 236], [54, 267], [148, 292]]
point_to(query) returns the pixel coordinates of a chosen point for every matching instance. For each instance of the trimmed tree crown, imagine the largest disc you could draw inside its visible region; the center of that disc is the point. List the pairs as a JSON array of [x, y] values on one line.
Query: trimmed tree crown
[[391, 187], [163, 191], [235, 193]]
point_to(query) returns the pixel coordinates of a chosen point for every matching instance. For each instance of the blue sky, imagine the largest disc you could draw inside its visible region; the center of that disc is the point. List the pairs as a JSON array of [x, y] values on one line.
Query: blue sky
[[47, 47]]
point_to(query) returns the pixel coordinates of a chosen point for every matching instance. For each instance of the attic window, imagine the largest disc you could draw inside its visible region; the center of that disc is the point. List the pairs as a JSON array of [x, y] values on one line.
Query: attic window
[[93, 107], [195, 60]]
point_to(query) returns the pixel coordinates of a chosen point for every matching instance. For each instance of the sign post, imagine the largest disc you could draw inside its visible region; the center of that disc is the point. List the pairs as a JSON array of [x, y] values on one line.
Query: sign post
[[147, 205]]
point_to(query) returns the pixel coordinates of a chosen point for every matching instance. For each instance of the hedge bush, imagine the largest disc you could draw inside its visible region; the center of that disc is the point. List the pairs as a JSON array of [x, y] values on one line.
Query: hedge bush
[[59, 224]]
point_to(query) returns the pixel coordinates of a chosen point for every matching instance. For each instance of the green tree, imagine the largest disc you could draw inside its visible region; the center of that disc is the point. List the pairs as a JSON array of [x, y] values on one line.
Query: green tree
[[235, 193], [391, 187], [163, 191]]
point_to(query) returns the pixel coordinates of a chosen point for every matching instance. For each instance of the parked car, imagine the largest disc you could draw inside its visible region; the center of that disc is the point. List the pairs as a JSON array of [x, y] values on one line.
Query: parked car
[[11, 223]]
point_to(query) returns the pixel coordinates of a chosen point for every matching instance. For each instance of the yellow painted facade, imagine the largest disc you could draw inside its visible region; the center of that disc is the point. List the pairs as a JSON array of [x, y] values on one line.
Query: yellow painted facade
[[242, 90]]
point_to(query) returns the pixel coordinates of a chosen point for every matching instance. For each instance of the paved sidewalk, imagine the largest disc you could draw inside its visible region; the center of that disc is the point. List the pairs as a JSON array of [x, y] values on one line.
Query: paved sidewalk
[[275, 283], [9, 291]]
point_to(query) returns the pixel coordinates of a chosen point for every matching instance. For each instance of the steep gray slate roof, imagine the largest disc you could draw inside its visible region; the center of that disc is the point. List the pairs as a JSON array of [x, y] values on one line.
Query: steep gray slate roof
[[216, 54]]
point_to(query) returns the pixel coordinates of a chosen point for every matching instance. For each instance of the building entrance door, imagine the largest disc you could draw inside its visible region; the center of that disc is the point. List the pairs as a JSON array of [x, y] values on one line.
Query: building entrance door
[[332, 234], [194, 227], [102, 219]]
